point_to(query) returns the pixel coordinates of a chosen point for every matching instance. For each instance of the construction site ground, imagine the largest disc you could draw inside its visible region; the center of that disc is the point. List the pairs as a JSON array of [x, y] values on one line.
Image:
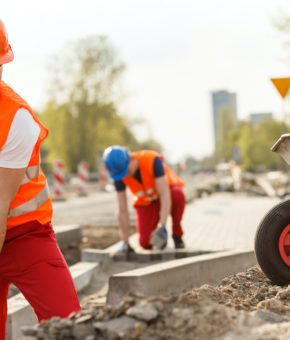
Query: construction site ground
[[242, 306], [220, 221]]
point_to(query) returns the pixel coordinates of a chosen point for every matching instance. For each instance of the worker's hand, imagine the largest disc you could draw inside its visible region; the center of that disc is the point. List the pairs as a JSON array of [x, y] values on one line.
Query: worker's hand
[[159, 237], [126, 248]]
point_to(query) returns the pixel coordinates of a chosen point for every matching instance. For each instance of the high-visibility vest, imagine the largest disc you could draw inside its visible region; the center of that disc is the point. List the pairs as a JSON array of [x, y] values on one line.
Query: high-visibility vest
[[32, 200], [145, 193]]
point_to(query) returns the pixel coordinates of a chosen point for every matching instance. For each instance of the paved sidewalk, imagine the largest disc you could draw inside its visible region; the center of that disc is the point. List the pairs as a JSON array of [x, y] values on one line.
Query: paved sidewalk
[[222, 221]]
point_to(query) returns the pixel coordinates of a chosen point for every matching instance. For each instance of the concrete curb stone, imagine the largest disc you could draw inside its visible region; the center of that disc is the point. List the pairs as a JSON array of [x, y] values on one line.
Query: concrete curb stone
[[179, 275]]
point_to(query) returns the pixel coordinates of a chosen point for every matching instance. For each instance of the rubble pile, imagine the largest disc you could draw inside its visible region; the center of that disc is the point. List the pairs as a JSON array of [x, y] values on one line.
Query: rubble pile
[[242, 306]]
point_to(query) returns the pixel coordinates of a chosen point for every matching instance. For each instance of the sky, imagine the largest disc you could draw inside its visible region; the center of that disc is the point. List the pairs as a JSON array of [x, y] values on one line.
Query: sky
[[176, 53]]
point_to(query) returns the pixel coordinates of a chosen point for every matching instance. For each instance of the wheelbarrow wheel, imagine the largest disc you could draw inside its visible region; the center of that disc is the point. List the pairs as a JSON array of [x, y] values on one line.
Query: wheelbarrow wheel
[[272, 244]]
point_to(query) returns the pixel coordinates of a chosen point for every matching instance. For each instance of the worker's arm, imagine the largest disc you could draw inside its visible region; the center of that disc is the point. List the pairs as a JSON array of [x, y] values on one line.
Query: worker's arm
[[123, 215], [165, 199], [10, 180]]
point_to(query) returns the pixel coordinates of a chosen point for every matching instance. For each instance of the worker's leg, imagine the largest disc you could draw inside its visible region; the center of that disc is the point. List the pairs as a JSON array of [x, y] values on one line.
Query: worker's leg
[[177, 209], [146, 221], [50, 290], [4, 287], [42, 274]]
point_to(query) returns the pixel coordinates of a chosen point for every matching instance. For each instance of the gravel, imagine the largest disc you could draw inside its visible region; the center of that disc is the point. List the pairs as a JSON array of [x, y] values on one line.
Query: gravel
[[242, 306]]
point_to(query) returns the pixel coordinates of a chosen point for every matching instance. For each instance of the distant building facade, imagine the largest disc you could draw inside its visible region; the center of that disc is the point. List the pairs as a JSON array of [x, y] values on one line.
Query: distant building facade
[[257, 118], [221, 99]]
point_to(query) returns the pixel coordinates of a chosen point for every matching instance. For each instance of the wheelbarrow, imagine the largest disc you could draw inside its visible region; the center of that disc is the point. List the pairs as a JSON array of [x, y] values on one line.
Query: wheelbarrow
[[272, 240]]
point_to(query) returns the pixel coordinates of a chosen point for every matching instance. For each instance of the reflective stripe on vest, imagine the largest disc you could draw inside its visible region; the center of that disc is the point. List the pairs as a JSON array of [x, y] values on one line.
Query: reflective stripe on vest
[[31, 172], [151, 198], [150, 191], [31, 205]]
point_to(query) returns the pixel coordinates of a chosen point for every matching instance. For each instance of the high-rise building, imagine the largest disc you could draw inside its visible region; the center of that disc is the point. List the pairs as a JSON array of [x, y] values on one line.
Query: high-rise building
[[222, 99]]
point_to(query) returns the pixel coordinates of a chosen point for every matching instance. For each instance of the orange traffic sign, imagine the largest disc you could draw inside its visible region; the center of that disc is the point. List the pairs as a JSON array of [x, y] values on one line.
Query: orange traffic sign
[[282, 85]]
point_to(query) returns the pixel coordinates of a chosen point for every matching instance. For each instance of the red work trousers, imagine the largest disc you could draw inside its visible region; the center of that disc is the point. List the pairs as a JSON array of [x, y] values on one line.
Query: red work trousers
[[31, 260], [148, 216]]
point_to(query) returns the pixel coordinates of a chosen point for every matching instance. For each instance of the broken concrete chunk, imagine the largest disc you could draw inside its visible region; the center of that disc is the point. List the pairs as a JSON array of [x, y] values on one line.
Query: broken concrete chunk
[[117, 325], [143, 311]]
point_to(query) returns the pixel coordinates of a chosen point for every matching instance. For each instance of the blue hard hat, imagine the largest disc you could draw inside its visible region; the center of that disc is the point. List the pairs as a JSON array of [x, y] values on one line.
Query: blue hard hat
[[116, 159]]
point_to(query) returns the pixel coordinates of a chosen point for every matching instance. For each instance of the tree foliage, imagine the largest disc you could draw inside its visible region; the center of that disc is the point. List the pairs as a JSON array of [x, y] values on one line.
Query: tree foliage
[[254, 142], [82, 113]]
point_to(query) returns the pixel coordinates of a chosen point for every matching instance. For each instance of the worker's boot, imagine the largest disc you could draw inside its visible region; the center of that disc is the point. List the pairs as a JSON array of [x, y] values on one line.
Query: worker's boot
[[178, 242], [126, 248]]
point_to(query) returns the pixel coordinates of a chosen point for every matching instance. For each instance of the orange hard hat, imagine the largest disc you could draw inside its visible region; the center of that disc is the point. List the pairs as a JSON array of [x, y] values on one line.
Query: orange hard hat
[[6, 53]]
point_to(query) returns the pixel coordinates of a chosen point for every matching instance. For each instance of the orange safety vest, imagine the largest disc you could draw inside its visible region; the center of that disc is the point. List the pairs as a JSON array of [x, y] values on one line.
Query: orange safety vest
[[32, 200], [145, 193]]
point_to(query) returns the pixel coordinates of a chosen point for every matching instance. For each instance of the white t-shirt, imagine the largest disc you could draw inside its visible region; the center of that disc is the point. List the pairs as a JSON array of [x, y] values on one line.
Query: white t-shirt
[[22, 137]]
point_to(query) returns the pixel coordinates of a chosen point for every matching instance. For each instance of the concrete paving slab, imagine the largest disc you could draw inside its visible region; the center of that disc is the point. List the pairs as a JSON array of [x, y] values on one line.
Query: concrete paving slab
[[133, 257], [224, 221], [21, 314], [94, 255], [68, 234], [143, 256], [82, 273], [179, 275]]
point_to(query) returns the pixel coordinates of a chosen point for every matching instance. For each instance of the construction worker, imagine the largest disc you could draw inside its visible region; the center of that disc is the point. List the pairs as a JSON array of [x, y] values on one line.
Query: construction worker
[[29, 255], [157, 192]]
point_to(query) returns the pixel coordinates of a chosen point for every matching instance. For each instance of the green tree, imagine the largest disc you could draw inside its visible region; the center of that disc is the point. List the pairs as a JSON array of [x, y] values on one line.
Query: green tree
[[87, 70], [81, 113], [255, 142]]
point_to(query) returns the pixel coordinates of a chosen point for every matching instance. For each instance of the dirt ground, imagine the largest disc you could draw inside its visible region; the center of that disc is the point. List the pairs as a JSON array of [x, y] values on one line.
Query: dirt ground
[[99, 238], [242, 306]]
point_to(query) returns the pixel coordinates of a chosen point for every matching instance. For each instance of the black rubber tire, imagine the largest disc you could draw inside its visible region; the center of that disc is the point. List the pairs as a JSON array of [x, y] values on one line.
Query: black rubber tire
[[267, 243]]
